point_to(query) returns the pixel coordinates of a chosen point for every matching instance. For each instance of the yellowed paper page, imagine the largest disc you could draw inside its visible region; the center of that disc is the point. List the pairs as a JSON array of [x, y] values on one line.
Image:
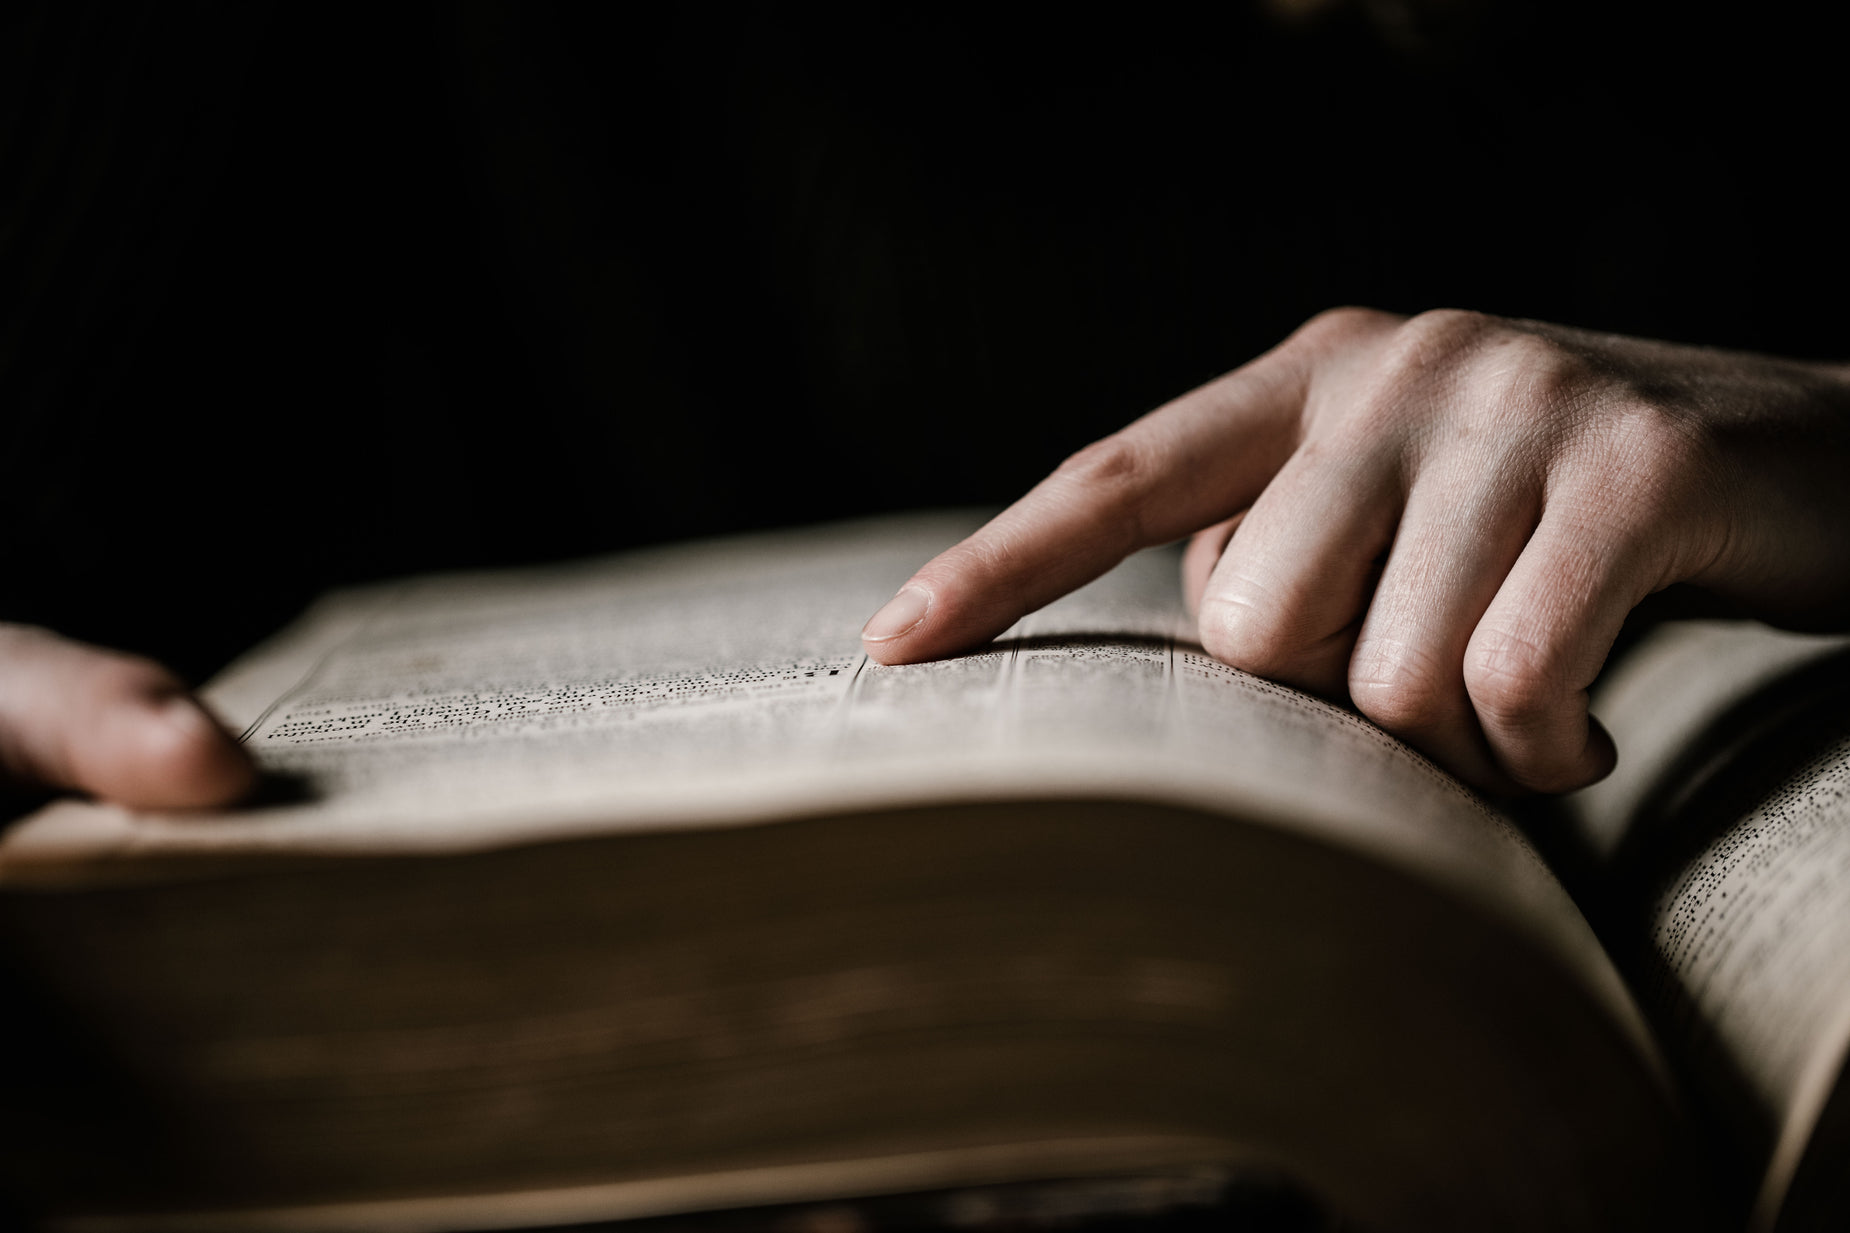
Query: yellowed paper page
[[722, 683]]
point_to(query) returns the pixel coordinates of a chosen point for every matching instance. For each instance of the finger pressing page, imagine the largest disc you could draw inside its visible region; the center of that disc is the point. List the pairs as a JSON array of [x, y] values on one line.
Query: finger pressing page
[[1202, 555], [1185, 465], [1543, 639], [1463, 528], [1285, 596], [118, 727]]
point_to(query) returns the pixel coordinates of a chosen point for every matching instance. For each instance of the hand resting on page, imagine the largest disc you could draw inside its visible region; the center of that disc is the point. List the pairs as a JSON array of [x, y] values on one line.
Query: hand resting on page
[[1442, 520], [118, 727]]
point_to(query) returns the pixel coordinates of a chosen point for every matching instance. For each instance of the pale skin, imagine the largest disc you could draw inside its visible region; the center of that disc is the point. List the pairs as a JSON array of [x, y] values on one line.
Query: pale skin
[[1440, 520], [109, 725]]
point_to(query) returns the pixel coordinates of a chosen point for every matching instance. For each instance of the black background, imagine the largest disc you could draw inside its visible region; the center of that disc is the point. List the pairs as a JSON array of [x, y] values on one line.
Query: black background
[[296, 295]]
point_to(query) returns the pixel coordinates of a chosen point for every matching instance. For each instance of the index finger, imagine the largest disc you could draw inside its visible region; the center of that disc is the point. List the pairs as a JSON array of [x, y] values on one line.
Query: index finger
[[1191, 462]]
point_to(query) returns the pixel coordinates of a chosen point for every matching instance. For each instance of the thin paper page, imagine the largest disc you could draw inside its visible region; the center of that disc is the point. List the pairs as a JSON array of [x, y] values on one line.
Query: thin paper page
[[1751, 938], [1754, 942], [723, 683], [1663, 695]]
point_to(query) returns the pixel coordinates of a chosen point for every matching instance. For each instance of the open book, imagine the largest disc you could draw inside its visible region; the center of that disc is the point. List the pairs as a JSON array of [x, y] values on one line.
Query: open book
[[630, 888]]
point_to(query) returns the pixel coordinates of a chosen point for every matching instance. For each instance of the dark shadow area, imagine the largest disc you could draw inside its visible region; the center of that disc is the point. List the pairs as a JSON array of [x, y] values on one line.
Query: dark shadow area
[[1731, 766], [1206, 1203], [276, 788], [71, 1117], [1820, 1191], [310, 296]]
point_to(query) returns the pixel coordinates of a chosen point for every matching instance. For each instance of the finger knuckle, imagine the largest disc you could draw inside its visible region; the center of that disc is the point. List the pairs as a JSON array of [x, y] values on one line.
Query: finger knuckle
[[1117, 476], [1403, 389], [1437, 335], [1661, 437], [1107, 460], [1658, 467], [1513, 681], [1531, 378], [977, 564], [1399, 687], [1339, 326], [1379, 417], [1244, 631]]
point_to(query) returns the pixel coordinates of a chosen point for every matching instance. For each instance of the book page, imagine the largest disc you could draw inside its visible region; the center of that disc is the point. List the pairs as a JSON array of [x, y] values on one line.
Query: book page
[[1747, 937], [1661, 700], [723, 684], [1754, 942]]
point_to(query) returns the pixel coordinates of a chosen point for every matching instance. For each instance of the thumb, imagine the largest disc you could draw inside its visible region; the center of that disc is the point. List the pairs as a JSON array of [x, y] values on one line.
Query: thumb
[[112, 725]]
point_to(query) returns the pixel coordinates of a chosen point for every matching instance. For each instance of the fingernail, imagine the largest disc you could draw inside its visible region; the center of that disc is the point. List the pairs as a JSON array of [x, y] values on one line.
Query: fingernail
[[900, 616]]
